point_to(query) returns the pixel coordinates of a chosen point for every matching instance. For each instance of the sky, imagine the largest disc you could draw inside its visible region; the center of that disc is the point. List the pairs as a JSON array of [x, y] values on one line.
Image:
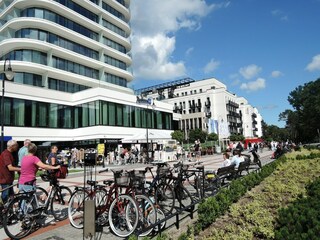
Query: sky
[[261, 49]]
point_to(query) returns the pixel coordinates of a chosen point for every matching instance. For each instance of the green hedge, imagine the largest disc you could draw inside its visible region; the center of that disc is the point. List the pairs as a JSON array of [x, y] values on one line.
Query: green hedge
[[213, 207], [301, 220]]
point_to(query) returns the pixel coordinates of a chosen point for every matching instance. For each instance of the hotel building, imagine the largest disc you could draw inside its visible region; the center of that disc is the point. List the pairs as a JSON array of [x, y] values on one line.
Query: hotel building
[[72, 65]]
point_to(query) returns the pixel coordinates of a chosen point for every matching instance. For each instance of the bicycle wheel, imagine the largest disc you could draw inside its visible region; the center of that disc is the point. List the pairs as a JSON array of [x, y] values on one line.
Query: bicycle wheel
[[184, 198], [19, 217], [76, 208], [147, 214], [160, 216], [198, 185], [41, 195], [59, 203], [123, 216], [165, 197]]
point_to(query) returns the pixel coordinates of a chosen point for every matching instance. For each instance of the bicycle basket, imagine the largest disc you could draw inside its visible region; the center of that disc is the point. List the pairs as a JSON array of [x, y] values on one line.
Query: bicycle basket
[[122, 179], [45, 177]]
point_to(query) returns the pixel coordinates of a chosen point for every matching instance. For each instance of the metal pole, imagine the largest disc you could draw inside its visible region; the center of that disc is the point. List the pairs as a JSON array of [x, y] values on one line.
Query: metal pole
[[147, 135], [2, 107]]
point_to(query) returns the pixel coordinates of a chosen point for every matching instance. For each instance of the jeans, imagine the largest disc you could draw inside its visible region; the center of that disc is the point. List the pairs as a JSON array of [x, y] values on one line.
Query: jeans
[[26, 188], [6, 193]]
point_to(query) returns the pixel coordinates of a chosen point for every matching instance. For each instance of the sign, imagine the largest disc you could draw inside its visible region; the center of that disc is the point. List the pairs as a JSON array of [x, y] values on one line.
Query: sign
[[100, 149], [6, 138], [148, 101]]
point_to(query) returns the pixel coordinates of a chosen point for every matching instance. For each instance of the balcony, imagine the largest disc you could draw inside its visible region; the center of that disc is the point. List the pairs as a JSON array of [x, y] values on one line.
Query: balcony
[[192, 106], [232, 104], [198, 105], [208, 114]]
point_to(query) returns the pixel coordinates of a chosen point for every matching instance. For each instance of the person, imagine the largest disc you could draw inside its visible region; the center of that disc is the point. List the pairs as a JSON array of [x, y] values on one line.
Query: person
[[7, 169], [227, 161], [29, 168], [52, 157], [237, 158], [197, 149], [23, 151]]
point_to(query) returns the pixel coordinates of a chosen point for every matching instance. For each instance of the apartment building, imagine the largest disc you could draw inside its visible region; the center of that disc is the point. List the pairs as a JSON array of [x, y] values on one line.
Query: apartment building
[[207, 104]]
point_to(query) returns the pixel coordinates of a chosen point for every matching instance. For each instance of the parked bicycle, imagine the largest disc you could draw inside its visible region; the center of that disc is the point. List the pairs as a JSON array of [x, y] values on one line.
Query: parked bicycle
[[119, 210], [25, 212]]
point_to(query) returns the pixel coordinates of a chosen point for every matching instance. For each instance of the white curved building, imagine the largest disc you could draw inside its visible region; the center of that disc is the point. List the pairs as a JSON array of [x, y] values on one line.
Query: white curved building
[[72, 61]]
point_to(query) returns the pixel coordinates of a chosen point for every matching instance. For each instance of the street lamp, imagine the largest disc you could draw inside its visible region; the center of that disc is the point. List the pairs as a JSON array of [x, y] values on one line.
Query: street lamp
[[8, 75], [149, 103]]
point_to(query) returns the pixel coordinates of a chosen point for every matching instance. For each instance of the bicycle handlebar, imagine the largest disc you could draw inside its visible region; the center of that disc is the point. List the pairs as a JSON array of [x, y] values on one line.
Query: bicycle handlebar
[[104, 170]]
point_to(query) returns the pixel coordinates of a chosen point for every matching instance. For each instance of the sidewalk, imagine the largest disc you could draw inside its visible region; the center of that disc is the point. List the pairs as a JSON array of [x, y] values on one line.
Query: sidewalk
[[64, 231]]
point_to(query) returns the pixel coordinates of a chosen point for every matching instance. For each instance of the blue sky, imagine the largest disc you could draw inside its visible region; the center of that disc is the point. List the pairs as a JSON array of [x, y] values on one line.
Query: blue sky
[[261, 49]]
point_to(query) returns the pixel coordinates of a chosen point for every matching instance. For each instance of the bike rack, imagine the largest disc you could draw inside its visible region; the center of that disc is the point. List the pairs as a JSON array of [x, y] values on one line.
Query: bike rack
[[191, 208]]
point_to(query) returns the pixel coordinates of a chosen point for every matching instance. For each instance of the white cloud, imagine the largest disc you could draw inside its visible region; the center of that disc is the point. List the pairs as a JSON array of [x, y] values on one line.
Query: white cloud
[[260, 83], [315, 64], [280, 14], [211, 66], [250, 71], [154, 25], [276, 74], [189, 51]]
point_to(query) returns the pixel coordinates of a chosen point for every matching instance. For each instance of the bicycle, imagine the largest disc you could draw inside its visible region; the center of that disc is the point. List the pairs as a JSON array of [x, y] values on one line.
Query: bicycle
[[160, 189], [24, 211], [181, 193], [119, 210]]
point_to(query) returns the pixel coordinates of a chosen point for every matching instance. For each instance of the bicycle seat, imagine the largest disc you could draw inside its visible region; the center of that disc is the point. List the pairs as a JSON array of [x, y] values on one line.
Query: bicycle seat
[[200, 167], [108, 182], [92, 183]]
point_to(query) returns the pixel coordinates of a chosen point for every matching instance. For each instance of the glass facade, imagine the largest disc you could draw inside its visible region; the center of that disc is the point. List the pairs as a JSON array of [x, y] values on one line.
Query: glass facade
[[27, 56], [108, 42], [110, 78], [113, 11], [56, 40], [73, 67], [64, 86], [27, 113], [113, 28], [115, 62], [63, 21], [79, 9]]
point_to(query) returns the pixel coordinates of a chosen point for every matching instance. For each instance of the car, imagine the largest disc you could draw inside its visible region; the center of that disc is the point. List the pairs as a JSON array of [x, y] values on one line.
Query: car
[[311, 144]]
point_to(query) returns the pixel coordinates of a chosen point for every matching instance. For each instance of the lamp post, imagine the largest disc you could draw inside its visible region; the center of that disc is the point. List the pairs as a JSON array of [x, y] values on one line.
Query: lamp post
[[8, 75], [148, 102]]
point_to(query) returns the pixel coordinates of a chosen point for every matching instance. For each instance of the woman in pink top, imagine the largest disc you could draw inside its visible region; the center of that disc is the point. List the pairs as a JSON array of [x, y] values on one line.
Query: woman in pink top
[[29, 168]]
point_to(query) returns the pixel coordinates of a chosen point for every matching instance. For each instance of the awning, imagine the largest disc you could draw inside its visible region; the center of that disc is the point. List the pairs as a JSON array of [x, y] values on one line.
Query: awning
[[152, 136]]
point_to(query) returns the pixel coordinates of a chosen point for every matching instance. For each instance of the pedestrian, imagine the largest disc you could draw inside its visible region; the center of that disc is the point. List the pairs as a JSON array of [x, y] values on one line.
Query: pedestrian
[[23, 151], [237, 158], [227, 161], [52, 157], [197, 150], [7, 169], [29, 168]]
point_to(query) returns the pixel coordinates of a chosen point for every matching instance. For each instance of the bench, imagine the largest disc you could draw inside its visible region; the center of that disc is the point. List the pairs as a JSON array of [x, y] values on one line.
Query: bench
[[243, 166], [224, 173]]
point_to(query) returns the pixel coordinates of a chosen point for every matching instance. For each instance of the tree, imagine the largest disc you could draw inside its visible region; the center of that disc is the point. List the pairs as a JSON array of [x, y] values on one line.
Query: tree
[[236, 137], [178, 135], [303, 122], [197, 134], [212, 137]]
